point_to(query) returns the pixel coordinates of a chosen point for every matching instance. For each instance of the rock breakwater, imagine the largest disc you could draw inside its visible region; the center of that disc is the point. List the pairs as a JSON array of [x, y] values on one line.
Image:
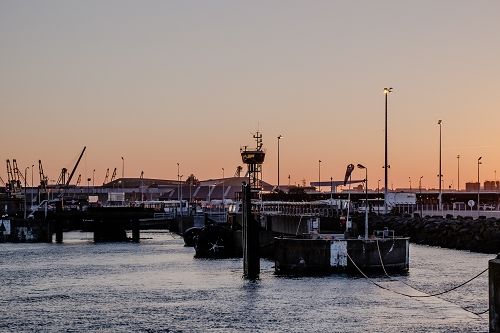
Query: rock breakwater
[[480, 235]]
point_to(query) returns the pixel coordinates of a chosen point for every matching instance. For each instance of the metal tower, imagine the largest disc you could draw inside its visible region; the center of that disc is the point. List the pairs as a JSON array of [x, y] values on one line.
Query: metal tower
[[254, 159]]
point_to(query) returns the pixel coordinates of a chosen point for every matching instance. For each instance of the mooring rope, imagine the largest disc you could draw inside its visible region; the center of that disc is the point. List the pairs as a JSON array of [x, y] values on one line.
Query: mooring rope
[[415, 296]]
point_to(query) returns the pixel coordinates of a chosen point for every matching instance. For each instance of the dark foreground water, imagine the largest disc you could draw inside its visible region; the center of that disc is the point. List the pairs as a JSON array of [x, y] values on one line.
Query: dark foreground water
[[157, 286]]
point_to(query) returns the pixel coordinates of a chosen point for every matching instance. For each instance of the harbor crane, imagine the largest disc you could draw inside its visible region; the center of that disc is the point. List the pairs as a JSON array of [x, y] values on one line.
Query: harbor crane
[[79, 180], [106, 177], [76, 166], [113, 176], [19, 175], [62, 177], [13, 182], [44, 180], [1, 180], [237, 173]]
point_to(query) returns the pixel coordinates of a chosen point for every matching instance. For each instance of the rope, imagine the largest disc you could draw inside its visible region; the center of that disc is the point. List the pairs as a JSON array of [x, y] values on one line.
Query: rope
[[415, 296]]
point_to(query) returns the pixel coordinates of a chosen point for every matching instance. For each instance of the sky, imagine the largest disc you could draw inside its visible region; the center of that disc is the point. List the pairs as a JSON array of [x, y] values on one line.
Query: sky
[[188, 82]]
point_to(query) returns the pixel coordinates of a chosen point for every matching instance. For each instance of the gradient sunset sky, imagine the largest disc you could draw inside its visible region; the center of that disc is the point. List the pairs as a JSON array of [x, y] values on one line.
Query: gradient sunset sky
[[167, 82]]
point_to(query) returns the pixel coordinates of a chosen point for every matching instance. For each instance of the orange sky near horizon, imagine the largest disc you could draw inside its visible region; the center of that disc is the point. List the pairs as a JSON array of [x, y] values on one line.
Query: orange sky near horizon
[[188, 82]]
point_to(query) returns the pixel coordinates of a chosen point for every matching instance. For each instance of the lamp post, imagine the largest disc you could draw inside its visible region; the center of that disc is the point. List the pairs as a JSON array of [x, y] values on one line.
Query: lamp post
[[409, 178], [123, 167], [386, 165], [88, 185], [319, 175], [178, 185], [25, 203], [478, 183], [93, 181], [331, 190], [32, 185], [279, 138], [360, 166], [420, 190], [440, 175], [223, 205], [458, 172]]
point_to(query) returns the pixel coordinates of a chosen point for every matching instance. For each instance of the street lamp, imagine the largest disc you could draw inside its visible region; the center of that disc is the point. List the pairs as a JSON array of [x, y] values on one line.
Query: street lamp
[[420, 184], [123, 167], [478, 183], [386, 165], [319, 175], [32, 185], [279, 138], [223, 188], [178, 186], [458, 172], [360, 166], [25, 203], [440, 175], [93, 175], [409, 178], [331, 190]]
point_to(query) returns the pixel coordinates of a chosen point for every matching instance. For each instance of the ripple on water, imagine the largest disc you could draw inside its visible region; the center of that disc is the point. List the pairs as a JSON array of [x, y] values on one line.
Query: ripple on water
[[157, 286]]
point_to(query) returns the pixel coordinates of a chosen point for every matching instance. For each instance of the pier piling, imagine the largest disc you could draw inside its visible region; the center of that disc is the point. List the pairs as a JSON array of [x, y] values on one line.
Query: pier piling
[[136, 233], [251, 256], [494, 290]]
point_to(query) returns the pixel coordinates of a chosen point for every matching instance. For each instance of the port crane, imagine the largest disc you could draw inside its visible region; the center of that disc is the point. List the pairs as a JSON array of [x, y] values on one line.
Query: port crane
[[106, 177], [237, 173], [44, 180], [12, 177], [62, 177], [79, 180], [18, 175], [113, 176], [76, 166]]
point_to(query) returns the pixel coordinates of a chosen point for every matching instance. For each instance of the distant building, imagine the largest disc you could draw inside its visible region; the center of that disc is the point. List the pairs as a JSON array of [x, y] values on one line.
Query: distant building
[[471, 187], [491, 185]]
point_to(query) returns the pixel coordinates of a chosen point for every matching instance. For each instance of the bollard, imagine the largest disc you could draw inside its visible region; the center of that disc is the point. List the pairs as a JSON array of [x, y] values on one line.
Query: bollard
[[59, 230], [494, 290], [251, 256], [136, 233]]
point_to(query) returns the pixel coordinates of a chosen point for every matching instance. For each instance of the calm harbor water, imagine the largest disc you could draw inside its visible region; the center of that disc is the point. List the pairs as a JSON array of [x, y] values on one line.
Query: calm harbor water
[[157, 286]]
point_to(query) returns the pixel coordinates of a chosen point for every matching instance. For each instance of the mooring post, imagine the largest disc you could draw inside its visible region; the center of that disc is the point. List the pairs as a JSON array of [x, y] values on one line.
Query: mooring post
[[59, 230], [494, 287], [136, 233], [251, 256]]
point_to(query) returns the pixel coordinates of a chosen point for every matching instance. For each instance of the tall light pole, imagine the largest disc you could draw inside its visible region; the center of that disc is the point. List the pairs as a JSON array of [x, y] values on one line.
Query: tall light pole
[[123, 167], [386, 165], [458, 172], [178, 185], [420, 184], [409, 178], [366, 198], [32, 185], [223, 205], [279, 138], [93, 175], [319, 175], [331, 190], [25, 203], [478, 183], [440, 175]]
